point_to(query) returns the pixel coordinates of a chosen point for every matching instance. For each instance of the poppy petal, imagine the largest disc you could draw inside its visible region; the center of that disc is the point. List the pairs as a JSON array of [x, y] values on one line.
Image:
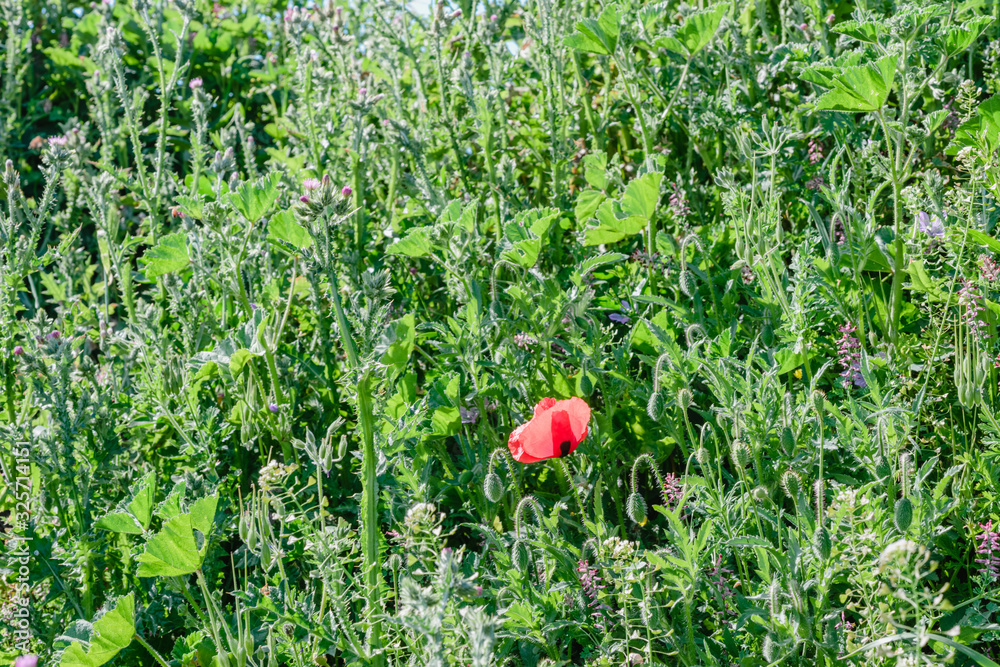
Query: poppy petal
[[556, 429]]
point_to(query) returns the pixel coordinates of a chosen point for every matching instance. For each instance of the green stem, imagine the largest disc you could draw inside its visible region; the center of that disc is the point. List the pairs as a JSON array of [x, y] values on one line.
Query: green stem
[[152, 651]]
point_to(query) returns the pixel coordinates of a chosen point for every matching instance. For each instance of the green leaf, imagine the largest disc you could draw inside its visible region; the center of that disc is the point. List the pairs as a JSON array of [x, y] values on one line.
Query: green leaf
[[171, 505], [193, 207], [642, 195], [697, 31], [108, 635], [613, 225], [255, 199], [415, 244], [984, 239], [400, 347], [596, 36], [525, 236], [446, 421], [981, 131], [860, 89], [595, 170], [587, 203], [133, 518], [961, 37], [174, 550], [283, 226], [863, 31], [167, 256]]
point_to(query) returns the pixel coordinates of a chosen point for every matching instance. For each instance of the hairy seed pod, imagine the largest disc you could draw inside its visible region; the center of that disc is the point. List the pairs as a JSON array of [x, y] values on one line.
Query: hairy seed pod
[[818, 401], [796, 595], [703, 456], [654, 408], [882, 467], [740, 454], [774, 596], [636, 508], [688, 284], [792, 484], [684, 399], [770, 650], [821, 544], [493, 487], [903, 515], [520, 556], [788, 440]]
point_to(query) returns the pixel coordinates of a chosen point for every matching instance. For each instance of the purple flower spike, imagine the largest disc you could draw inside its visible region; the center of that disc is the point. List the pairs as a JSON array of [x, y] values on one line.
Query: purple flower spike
[[931, 225]]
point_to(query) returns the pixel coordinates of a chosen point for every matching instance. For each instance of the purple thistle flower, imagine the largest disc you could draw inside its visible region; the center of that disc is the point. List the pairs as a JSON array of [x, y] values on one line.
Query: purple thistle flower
[[346, 191], [57, 141], [310, 184], [195, 83], [304, 199], [273, 407], [931, 225], [18, 350], [26, 661]]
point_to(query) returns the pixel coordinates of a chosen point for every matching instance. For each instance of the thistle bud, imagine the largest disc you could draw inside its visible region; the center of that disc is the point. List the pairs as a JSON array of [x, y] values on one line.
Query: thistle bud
[[740, 454], [636, 509], [493, 487], [903, 515]]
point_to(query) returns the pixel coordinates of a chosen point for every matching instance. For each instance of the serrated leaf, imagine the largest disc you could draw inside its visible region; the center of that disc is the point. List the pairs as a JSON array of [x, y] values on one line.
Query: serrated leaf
[[598, 261], [595, 170], [525, 236], [133, 517], [959, 38], [415, 244], [285, 227], [863, 31], [613, 225], [982, 130], [399, 342], [697, 31], [109, 634], [171, 505], [860, 89], [170, 254], [174, 550], [596, 35], [641, 195], [254, 200], [191, 206], [587, 203]]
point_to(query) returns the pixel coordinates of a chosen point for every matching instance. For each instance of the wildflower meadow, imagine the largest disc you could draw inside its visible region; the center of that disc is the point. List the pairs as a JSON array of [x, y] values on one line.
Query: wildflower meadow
[[514, 334]]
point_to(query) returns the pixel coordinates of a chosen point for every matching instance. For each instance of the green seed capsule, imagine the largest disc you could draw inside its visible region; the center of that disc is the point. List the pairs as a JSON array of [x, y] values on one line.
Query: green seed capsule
[[792, 484], [821, 544], [520, 556], [688, 284], [636, 509], [903, 516], [465, 478], [788, 440], [654, 408], [740, 454], [493, 487]]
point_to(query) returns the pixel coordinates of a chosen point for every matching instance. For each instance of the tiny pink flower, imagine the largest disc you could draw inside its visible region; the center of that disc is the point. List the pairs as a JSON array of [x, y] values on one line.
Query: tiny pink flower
[[346, 191], [310, 184], [195, 83], [18, 350], [26, 661], [304, 199], [57, 141]]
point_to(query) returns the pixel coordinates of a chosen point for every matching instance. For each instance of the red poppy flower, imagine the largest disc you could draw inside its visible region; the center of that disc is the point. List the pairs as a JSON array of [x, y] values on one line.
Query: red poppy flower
[[556, 430]]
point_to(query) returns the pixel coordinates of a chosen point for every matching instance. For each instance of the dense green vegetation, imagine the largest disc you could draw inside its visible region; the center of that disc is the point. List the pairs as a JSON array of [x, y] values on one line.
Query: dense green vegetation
[[539, 333]]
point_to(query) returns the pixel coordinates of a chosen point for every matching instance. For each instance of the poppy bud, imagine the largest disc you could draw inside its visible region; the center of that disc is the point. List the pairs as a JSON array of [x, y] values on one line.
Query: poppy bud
[[654, 407], [797, 596], [774, 596], [740, 454], [760, 494], [684, 399], [792, 484], [821, 544], [687, 283], [882, 468], [519, 556], [788, 440], [903, 516], [465, 478], [493, 487], [703, 456], [770, 650], [819, 400], [636, 508], [394, 563]]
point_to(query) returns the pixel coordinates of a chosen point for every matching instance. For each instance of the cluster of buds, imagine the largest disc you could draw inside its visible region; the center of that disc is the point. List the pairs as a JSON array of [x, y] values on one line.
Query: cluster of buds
[[320, 195]]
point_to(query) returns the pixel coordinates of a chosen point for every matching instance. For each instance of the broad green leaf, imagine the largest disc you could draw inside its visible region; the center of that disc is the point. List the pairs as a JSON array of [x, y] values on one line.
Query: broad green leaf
[[613, 225], [255, 199], [596, 35], [193, 207], [823, 74], [465, 216], [984, 239], [697, 31], [595, 170], [171, 505], [860, 89], [586, 203], [446, 421], [109, 634], [399, 342], [525, 236], [863, 31], [415, 244], [285, 227], [167, 256], [174, 550], [641, 195], [133, 517], [961, 37], [982, 130]]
